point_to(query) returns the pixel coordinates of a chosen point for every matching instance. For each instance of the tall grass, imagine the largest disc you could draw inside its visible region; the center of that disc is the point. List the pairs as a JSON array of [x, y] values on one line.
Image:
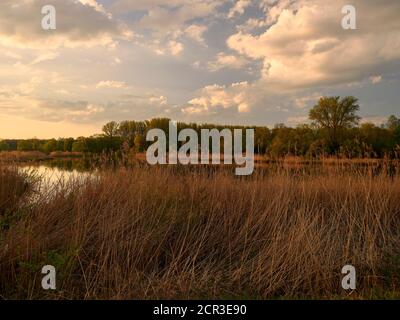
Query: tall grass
[[13, 187], [167, 234]]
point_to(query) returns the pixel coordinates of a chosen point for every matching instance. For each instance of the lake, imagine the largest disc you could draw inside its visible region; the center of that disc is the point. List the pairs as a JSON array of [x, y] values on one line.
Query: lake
[[53, 174]]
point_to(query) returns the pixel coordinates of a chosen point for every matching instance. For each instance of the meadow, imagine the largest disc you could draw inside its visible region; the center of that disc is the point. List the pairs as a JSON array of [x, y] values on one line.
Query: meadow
[[179, 232]]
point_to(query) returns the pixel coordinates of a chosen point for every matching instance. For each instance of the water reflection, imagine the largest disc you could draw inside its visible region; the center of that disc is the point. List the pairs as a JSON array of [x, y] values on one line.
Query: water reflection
[[71, 165], [56, 174]]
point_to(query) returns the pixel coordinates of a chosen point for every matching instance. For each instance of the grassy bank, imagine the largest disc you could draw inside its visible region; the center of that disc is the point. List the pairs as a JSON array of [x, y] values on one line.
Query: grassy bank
[[166, 233], [31, 156]]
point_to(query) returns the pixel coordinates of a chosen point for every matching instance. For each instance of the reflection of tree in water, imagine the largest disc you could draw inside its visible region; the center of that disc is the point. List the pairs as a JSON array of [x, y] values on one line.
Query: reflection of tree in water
[[80, 165]]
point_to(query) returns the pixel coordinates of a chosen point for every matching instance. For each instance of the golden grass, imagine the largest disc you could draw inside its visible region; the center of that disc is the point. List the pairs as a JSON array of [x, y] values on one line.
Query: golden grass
[[13, 186], [65, 154], [22, 156], [166, 233]]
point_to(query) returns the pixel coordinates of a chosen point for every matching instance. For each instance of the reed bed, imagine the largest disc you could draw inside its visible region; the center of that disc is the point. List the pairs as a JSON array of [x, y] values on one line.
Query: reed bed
[[175, 233]]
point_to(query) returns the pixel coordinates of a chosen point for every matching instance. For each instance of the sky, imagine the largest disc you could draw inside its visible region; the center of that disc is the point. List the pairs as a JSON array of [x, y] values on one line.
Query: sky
[[253, 62]]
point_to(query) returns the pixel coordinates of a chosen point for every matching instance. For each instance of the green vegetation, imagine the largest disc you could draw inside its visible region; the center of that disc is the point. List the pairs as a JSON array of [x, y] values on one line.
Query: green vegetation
[[334, 129]]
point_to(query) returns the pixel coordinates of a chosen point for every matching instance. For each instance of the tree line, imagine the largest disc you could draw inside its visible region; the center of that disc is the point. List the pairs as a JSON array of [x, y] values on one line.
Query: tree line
[[334, 129]]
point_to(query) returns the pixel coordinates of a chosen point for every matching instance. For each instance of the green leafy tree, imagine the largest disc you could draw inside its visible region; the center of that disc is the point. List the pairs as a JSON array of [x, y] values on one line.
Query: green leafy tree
[[68, 144], [50, 146], [111, 129], [333, 115], [4, 145], [140, 143], [25, 145], [393, 125]]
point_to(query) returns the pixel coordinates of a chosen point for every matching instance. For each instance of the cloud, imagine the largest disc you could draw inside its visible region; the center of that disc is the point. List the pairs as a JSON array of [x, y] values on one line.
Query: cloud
[[111, 84], [296, 120], [376, 120], [97, 6], [47, 56], [216, 96], [164, 19], [172, 47], [239, 8], [224, 60], [251, 24], [375, 79], [56, 110], [163, 22], [307, 47], [195, 32], [81, 23], [306, 101], [175, 48], [212, 67]]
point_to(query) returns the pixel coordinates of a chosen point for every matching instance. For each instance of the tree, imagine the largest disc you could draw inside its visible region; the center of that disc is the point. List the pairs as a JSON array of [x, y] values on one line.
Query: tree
[[79, 145], [127, 130], [111, 129], [334, 114], [140, 143], [4, 145], [393, 123], [262, 137], [68, 144], [25, 145], [50, 146]]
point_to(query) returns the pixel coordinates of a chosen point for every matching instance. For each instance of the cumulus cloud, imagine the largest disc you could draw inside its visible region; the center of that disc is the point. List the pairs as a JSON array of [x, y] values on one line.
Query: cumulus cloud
[[171, 47], [239, 8], [216, 96], [224, 60], [82, 23], [268, 53], [195, 32], [307, 46], [251, 24], [164, 22], [168, 19]]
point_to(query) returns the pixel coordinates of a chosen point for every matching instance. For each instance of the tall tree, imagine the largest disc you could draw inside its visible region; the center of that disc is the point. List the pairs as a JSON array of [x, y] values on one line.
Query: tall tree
[[111, 129], [335, 114], [393, 123]]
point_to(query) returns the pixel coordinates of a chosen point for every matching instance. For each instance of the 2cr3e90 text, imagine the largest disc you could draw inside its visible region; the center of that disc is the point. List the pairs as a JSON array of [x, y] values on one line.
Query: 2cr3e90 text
[[221, 309]]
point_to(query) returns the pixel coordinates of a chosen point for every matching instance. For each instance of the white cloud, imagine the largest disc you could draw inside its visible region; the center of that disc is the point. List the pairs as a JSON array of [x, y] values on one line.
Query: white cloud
[[45, 57], [164, 20], [308, 47], [251, 24], [239, 8], [195, 32], [375, 79], [224, 60], [175, 48], [111, 84], [216, 96]]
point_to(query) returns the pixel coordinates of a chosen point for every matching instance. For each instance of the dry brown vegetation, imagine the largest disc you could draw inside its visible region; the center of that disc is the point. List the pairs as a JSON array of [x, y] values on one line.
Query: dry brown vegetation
[[14, 186], [26, 156], [178, 233], [22, 156]]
